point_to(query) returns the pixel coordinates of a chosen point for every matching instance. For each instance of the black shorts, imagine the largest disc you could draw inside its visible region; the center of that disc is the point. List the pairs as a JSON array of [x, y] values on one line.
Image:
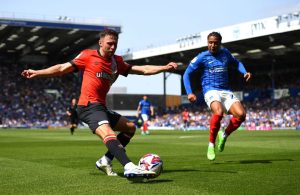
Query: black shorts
[[74, 120], [96, 114]]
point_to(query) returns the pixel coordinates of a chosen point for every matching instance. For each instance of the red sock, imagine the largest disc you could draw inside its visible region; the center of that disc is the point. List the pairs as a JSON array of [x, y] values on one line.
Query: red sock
[[145, 127], [215, 123], [233, 125]]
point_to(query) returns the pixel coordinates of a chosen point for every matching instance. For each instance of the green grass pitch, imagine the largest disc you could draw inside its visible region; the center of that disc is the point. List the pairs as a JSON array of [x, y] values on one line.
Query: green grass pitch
[[54, 162]]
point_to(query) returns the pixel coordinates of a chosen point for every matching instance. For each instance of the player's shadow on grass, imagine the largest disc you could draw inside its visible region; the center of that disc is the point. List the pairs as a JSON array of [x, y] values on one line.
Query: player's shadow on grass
[[266, 161], [153, 181], [181, 170], [192, 170]]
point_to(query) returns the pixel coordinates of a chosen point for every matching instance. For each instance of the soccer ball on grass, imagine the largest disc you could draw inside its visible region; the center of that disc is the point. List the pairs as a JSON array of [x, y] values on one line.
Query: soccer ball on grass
[[152, 162]]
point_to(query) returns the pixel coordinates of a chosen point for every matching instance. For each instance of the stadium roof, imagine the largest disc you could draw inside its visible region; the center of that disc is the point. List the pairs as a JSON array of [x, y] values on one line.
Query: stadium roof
[[256, 43], [46, 41]]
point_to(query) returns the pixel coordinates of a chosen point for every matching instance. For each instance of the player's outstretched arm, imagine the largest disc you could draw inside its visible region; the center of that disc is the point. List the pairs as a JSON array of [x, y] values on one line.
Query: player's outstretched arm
[[152, 69], [56, 70]]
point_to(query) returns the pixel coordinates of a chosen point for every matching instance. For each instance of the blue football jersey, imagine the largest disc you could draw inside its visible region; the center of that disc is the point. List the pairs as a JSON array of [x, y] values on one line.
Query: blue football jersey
[[214, 69], [145, 107]]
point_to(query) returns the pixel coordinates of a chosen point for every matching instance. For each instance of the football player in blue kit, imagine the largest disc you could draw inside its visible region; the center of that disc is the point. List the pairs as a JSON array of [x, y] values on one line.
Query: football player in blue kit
[[146, 110], [214, 64]]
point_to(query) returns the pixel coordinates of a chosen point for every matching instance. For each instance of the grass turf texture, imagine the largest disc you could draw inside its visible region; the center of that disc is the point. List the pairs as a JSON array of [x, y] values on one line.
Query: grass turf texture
[[54, 162]]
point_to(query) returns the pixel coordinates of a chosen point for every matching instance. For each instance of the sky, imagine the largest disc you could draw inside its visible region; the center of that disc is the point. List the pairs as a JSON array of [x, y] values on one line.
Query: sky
[[153, 23]]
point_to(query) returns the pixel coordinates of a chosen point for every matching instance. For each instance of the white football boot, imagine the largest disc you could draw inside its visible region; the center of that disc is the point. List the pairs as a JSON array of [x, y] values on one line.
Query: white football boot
[[131, 171], [106, 166]]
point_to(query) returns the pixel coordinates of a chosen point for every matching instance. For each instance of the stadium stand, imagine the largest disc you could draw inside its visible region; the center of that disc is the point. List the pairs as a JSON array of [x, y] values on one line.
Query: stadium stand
[[46, 41], [40, 43]]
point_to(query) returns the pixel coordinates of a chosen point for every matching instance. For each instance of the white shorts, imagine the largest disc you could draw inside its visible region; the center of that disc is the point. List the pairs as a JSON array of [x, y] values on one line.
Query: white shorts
[[227, 98], [145, 117]]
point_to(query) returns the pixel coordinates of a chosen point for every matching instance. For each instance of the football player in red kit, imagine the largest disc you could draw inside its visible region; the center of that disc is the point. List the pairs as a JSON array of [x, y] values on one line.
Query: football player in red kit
[[100, 69]]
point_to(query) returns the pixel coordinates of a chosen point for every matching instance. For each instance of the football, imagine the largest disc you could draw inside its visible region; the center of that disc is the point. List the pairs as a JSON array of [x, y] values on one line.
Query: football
[[152, 162]]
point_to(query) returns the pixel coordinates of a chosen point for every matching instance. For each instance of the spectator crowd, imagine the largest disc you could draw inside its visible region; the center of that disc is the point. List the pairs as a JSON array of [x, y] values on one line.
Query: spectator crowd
[[26, 103], [264, 114]]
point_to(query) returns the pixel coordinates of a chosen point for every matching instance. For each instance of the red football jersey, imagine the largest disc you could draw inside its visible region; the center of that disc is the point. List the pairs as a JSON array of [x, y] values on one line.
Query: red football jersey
[[98, 75], [185, 115]]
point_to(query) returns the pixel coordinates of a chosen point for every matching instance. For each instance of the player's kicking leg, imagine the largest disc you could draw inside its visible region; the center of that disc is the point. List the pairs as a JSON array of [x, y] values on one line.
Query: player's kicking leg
[[133, 172], [115, 145]]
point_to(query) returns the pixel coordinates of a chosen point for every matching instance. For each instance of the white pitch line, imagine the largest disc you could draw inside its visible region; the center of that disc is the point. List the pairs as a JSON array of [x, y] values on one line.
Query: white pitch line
[[184, 137]]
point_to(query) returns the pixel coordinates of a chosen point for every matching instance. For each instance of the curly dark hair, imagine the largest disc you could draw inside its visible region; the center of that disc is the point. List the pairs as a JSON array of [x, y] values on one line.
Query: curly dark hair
[[215, 34]]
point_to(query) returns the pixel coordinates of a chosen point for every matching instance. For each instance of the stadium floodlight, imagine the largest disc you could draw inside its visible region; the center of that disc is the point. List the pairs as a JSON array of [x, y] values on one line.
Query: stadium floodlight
[[2, 45], [21, 46], [40, 48], [254, 51], [3, 26], [35, 29], [12, 37], [33, 38], [73, 31], [277, 47], [235, 54], [297, 44], [65, 48], [79, 40], [10, 51], [53, 39]]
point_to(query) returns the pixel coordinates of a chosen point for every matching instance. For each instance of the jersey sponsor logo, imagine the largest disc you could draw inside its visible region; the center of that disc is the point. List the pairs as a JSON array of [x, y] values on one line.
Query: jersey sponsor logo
[[103, 75], [111, 77], [219, 69]]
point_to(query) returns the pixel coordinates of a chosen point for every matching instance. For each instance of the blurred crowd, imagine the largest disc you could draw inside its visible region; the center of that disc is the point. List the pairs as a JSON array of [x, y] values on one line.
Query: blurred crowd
[[42, 103], [264, 114], [27, 103]]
